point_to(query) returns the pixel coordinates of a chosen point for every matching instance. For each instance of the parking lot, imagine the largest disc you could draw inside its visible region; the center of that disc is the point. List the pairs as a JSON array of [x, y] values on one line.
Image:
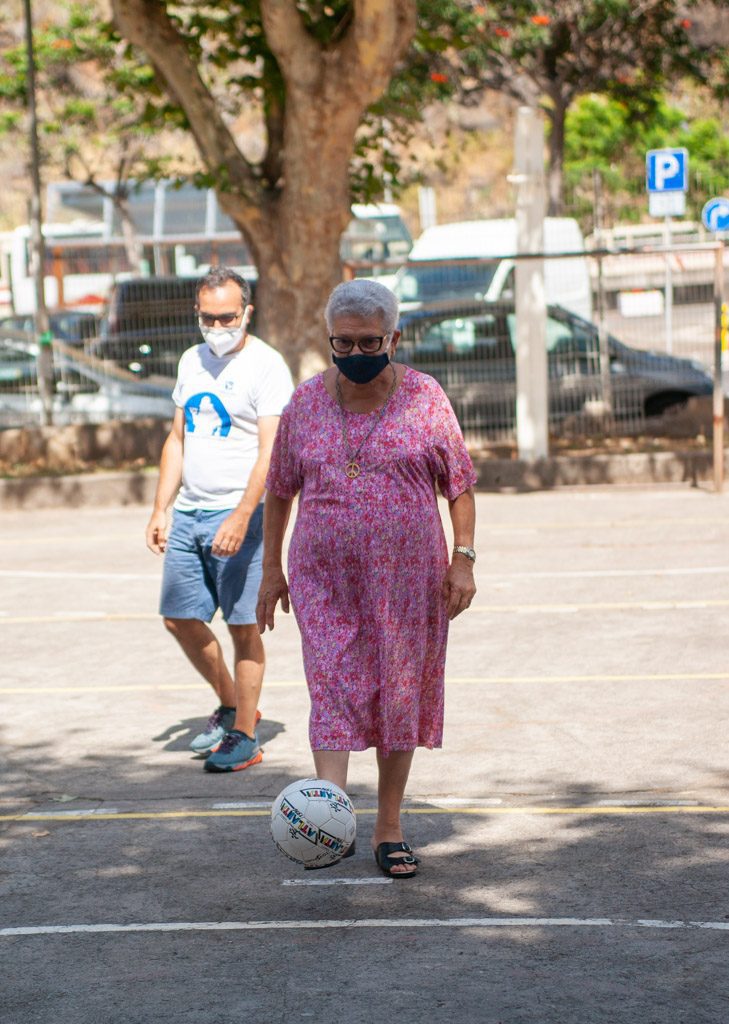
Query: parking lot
[[573, 831]]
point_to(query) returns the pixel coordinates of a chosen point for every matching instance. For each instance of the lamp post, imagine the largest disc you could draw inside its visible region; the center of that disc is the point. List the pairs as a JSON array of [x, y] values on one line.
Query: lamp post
[[37, 247]]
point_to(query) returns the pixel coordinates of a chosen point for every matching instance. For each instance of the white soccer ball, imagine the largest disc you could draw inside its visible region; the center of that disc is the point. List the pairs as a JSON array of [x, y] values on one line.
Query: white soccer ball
[[313, 822]]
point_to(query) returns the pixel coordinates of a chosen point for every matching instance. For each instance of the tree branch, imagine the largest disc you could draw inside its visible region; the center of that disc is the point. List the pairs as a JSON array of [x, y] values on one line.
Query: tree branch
[[147, 24]]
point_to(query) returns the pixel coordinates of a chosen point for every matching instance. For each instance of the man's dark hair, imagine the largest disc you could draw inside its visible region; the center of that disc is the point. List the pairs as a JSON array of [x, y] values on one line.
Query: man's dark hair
[[218, 276]]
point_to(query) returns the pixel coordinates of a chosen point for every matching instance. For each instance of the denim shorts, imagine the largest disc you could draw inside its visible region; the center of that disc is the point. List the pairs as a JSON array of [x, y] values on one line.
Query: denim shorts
[[195, 582]]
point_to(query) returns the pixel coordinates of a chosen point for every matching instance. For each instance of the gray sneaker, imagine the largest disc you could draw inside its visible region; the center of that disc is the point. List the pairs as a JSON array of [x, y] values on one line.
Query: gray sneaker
[[218, 724], [235, 752]]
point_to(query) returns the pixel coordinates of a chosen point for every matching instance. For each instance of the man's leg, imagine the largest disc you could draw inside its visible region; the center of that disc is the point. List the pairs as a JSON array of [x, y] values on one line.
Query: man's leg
[[249, 664], [393, 776], [203, 649]]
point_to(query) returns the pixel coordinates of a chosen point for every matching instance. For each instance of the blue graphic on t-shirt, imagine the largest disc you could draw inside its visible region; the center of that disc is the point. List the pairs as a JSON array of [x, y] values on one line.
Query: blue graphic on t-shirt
[[206, 412]]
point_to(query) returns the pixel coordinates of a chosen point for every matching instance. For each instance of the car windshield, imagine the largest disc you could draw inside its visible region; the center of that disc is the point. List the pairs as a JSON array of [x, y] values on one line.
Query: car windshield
[[438, 282]]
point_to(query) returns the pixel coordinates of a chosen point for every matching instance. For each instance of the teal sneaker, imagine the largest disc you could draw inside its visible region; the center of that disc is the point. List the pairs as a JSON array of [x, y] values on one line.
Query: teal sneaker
[[221, 721], [217, 725], [235, 752]]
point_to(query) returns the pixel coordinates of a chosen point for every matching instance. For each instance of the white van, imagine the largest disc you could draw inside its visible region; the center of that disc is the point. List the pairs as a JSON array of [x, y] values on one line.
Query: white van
[[481, 267]]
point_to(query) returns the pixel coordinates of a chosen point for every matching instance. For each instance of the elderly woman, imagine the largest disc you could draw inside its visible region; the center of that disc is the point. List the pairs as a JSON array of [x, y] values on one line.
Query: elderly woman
[[372, 587]]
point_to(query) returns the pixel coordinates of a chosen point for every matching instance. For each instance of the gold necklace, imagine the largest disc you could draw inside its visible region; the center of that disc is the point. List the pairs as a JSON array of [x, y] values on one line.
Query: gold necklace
[[352, 467]]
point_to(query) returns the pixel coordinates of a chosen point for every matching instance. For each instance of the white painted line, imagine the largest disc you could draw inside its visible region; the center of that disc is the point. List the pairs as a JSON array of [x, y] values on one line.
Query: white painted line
[[309, 924], [337, 881], [86, 812], [242, 805], [453, 801], [586, 574], [36, 574], [647, 803]]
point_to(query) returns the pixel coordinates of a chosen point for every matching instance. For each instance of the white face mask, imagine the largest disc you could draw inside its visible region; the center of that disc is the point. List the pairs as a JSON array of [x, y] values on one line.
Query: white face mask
[[222, 340]]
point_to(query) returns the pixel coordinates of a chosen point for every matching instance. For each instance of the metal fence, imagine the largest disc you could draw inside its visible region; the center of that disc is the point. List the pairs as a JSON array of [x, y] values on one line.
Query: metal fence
[[646, 348]]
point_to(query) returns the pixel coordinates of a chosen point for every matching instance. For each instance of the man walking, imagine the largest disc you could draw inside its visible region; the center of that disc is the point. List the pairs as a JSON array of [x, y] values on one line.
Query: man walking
[[229, 394]]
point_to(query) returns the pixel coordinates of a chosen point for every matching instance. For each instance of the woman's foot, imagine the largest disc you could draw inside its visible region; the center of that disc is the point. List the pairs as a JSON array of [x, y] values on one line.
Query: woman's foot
[[395, 859]]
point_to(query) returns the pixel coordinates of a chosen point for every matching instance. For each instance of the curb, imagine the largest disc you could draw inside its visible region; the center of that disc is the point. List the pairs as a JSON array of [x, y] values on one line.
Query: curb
[[102, 489]]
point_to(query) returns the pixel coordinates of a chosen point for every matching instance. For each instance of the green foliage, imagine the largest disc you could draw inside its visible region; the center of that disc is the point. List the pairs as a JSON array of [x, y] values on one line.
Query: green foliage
[[603, 135]]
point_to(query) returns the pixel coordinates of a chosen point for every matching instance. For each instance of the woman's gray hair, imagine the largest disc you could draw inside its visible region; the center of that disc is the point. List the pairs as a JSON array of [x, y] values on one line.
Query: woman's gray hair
[[363, 298]]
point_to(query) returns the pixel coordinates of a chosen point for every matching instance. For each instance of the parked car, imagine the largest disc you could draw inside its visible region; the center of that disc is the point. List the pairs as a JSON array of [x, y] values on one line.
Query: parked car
[[148, 323], [471, 352], [71, 326], [475, 260]]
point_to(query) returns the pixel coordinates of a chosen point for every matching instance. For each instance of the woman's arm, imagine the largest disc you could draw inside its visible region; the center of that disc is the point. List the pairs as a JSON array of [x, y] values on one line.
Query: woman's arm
[[274, 588], [458, 586]]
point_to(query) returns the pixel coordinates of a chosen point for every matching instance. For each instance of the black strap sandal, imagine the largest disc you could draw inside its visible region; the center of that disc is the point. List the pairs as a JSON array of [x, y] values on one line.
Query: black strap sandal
[[386, 861]]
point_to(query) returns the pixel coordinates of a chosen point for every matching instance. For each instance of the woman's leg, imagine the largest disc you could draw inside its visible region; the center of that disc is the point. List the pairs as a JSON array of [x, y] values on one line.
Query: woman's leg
[[394, 770], [332, 765]]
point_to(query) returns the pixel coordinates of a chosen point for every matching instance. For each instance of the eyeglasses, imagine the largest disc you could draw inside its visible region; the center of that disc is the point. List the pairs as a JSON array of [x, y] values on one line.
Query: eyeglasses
[[369, 345], [224, 319]]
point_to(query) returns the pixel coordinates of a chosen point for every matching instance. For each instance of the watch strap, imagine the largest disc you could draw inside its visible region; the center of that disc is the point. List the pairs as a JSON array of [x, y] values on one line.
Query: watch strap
[[463, 550]]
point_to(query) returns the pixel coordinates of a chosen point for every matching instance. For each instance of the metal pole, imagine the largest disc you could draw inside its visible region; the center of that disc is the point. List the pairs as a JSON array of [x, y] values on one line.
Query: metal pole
[[718, 398], [37, 246], [669, 288], [602, 331]]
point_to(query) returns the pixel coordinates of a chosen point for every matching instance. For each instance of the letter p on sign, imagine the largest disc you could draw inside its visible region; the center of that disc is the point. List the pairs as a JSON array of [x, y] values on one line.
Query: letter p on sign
[[667, 170]]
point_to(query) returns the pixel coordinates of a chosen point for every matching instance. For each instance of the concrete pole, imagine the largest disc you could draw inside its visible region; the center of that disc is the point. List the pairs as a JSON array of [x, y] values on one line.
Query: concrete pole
[[37, 245], [532, 406]]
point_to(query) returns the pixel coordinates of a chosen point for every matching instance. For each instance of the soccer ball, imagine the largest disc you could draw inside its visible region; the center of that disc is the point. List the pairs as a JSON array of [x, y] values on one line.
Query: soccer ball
[[312, 822]]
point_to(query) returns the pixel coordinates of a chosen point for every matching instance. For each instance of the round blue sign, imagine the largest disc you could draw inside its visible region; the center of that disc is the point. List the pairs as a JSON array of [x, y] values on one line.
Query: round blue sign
[[715, 215]]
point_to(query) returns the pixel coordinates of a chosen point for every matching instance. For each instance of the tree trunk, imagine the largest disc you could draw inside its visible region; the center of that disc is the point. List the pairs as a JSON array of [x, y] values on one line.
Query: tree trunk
[[555, 172], [292, 226], [132, 246]]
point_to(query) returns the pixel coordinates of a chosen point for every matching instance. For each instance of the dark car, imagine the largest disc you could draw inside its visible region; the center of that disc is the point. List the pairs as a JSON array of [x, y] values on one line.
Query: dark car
[[149, 322], [471, 352], [72, 326], [19, 349]]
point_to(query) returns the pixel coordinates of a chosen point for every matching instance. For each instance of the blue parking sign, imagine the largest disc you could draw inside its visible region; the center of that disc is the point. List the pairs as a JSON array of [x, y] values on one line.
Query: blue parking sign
[[666, 170]]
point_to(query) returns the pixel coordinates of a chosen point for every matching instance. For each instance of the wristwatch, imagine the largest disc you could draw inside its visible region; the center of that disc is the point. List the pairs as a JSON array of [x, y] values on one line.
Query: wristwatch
[[468, 552]]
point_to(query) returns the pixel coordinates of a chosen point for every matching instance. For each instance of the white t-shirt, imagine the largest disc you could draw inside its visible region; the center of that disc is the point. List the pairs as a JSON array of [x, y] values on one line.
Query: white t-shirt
[[223, 398]]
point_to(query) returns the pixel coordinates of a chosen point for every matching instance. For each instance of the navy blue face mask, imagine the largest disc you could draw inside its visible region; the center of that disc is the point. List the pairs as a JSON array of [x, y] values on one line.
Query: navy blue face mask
[[361, 369]]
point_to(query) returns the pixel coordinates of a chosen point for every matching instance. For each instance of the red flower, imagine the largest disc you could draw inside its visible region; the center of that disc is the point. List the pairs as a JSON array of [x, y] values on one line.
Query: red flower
[[686, 23], [540, 19], [438, 76], [503, 32]]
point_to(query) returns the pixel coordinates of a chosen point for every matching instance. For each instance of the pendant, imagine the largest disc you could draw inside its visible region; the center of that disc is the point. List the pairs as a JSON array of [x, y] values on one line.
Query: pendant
[[352, 469]]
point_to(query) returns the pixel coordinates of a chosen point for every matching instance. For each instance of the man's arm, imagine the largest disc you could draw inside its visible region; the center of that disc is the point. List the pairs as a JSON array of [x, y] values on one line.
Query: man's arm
[[170, 475], [232, 530]]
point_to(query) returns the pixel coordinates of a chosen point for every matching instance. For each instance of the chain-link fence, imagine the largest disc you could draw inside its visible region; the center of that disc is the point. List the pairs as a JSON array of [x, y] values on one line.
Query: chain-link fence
[[647, 345]]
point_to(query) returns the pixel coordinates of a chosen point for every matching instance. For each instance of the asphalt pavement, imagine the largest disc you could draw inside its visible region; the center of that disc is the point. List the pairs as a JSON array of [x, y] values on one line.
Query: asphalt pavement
[[573, 831]]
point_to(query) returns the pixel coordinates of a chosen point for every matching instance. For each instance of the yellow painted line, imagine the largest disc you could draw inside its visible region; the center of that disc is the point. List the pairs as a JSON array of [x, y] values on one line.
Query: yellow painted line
[[598, 606], [656, 677], [593, 811]]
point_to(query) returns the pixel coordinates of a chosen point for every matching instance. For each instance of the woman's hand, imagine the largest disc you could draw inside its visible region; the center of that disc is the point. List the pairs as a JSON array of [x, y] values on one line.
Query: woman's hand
[[273, 589], [458, 586]]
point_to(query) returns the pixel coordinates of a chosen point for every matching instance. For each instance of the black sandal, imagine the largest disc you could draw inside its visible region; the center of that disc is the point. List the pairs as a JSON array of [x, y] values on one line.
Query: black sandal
[[349, 852], [386, 862]]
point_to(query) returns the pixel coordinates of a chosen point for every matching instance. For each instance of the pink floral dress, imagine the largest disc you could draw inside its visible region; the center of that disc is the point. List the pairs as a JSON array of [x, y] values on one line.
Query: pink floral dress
[[368, 558]]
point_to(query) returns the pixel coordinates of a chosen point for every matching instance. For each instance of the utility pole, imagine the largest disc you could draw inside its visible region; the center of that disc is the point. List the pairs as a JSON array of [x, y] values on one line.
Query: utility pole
[[37, 246], [532, 406]]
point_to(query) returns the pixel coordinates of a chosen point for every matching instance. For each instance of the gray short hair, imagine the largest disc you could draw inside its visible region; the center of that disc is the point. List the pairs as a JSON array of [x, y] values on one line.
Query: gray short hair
[[363, 298], [218, 276]]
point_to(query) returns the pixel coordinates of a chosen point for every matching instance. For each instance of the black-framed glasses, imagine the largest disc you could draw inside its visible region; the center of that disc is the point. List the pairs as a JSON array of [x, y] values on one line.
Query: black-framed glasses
[[224, 319], [368, 345]]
